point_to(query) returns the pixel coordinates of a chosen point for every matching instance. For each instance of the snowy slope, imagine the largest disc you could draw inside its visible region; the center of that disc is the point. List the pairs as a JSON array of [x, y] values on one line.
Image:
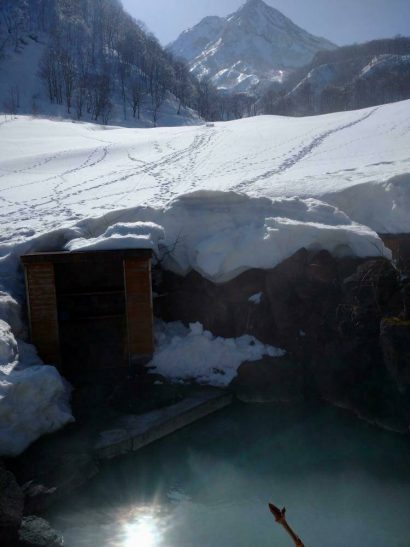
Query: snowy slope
[[53, 173], [193, 41], [254, 44]]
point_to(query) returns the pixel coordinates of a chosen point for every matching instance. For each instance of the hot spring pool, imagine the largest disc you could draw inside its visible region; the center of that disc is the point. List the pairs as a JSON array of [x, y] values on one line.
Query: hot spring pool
[[344, 483]]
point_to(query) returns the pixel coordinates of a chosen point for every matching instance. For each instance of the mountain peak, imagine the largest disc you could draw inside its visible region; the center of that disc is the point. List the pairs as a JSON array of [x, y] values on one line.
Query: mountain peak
[[261, 14], [255, 44], [254, 3], [252, 6]]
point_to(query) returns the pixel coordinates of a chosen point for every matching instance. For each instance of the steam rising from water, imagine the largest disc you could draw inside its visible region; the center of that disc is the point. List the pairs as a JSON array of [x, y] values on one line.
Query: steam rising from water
[[344, 483]]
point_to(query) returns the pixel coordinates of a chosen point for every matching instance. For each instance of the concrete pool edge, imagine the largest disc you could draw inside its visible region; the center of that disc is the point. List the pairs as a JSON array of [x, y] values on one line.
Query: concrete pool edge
[[132, 432]]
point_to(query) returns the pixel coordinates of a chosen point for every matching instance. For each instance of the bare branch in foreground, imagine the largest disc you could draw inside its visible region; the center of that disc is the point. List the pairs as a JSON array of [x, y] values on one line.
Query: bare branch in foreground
[[280, 518]]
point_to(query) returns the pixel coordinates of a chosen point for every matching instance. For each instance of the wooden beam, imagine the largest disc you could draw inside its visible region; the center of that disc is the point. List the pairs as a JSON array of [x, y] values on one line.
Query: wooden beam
[[42, 308], [138, 296]]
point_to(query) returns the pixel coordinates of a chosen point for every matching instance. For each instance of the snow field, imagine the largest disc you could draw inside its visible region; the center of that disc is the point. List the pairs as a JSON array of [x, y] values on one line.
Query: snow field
[[54, 173]]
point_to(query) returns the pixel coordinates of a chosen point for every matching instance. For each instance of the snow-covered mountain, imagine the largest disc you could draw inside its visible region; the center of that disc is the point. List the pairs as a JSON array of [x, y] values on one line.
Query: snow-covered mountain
[[254, 44], [349, 78], [194, 41]]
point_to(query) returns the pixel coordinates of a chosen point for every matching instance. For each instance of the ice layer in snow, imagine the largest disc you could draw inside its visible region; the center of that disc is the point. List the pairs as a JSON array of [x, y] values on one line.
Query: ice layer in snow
[[184, 354]]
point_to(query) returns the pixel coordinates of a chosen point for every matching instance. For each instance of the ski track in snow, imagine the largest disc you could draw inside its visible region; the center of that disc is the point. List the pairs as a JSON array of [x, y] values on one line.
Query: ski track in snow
[[292, 160], [272, 156], [155, 169], [56, 198], [56, 201]]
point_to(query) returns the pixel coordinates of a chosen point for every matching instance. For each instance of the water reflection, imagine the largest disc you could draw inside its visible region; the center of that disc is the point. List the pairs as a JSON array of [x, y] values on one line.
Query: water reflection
[[142, 531], [209, 485]]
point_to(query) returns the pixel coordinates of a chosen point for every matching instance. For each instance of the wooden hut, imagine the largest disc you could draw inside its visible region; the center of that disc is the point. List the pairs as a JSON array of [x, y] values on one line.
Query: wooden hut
[[90, 311]]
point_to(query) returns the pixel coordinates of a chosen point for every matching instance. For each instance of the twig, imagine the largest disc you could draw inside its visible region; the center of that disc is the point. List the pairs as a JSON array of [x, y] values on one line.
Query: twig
[[280, 518]]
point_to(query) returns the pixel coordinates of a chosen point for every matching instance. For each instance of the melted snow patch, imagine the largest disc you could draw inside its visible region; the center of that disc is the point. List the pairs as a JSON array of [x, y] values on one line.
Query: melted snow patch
[[184, 354]]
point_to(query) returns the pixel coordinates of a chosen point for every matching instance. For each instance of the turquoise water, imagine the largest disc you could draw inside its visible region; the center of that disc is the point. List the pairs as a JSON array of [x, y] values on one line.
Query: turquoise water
[[344, 483]]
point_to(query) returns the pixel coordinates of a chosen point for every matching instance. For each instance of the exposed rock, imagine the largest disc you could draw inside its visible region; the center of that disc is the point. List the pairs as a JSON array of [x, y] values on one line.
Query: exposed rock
[[395, 338], [302, 288], [326, 312], [50, 475], [37, 532], [11, 508], [38, 497], [405, 294], [400, 246], [270, 380]]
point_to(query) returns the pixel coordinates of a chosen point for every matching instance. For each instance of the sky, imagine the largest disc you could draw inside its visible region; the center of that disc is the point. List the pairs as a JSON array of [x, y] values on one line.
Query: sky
[[341, 21]]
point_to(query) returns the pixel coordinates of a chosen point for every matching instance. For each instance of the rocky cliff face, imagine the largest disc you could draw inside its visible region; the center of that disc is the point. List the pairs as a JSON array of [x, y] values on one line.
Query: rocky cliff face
[[327, 313]]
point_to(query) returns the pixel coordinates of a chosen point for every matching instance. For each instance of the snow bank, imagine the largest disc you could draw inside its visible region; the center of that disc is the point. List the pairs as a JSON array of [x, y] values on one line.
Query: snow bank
[[384, 206], [8, 345], [195, 354], [222, 234], [33, 397], [136, 235], [11, 314]]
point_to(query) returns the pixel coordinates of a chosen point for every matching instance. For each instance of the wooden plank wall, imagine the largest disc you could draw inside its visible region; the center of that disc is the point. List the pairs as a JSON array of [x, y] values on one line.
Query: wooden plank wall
[[42, 306], [137, 272]]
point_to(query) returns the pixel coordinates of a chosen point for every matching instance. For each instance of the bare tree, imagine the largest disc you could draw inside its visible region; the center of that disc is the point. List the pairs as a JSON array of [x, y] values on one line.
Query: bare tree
[[68, 72], [158, 97], [11, 103], [137, 91]]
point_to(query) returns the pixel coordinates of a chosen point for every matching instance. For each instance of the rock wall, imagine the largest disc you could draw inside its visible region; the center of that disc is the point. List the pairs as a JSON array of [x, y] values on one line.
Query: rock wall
[[326, 312], [399, 244]]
